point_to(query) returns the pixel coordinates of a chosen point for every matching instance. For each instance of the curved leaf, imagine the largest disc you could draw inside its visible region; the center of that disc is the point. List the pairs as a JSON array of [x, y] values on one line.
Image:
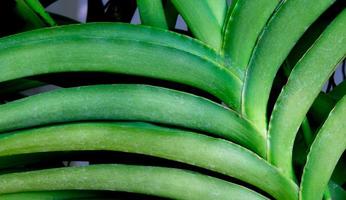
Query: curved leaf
[[188, 147], [36, 6], [25, 12], [49, 195], [304, 84], [130, 102], [158, 181], [284, 29], [328, 146], [219, 9], [152, 13], [201, 20], [99, 47], [242, 29]]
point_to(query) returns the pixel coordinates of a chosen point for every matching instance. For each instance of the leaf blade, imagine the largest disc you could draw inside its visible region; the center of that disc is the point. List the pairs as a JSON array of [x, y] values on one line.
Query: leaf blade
[[195, 64], [285, 27], [316, 174], [301, 89], [152, 13], [159, 181], [183, 146], [201, 20], [133, 102], [246, 20]]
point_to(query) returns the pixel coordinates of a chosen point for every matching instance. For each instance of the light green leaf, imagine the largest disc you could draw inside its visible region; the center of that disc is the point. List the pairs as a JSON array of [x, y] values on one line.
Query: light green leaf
[[158, 181], [37, 7], [283, 30], [244, 24], [219, 9], [324, 153], [200, 18], [130, 102], [115, 48], [196, 149], [30, 17], [304, 84], [49, 195]]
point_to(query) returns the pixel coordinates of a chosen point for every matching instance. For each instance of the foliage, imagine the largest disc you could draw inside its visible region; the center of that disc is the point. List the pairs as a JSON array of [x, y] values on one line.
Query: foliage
[[232, 108]]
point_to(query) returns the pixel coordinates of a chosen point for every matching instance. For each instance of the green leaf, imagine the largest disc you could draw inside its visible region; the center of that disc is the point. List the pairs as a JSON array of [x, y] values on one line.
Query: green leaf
[[339, 91], [158, 181], [37, 7], [130, 102], [152, 13], [307, 131], [321, 108], [49, 195], [304, 84], [188, 147], [324, 153], [117, 48], [219, 9], [336, 191], [283, 30], [25, 12], [171, 14], [202, 21], [243, 26]]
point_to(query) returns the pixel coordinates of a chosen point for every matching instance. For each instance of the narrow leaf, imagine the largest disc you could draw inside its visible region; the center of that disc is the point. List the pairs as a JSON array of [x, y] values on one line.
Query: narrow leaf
[[130, 102], [201, 20], [219, 9], [49, 195], [324, 154], [171, 14], [183, 146], [284, 29], [243, 26], [24, 11], [152, 13], [37, 7], [157, 181], [303, 86], [109, 47]]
